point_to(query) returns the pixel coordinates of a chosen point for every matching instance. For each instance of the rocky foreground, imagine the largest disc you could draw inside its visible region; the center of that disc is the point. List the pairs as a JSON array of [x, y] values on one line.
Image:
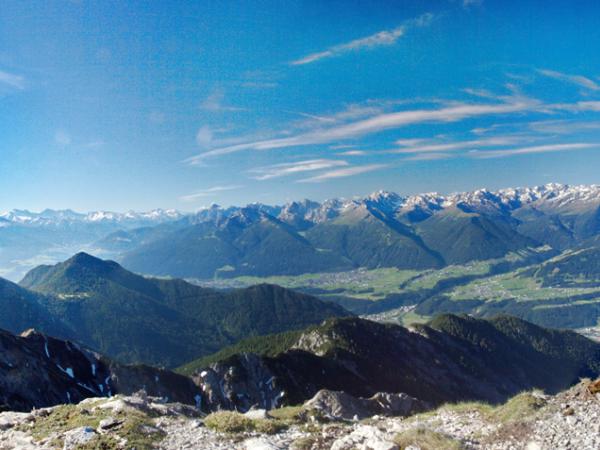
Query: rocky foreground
[[331, 420]]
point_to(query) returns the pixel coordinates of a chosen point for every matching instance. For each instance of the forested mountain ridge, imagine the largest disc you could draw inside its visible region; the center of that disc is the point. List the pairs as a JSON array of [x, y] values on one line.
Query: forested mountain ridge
[[156, 321]]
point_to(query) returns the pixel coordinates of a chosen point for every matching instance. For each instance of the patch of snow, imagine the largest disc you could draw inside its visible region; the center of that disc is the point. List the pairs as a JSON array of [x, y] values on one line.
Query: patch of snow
[[68, 371], [85, 386], [277, 399]]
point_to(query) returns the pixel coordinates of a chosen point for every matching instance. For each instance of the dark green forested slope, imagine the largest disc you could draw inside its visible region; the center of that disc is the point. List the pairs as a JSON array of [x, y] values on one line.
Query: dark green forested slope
[[578, 268], [261, 246], [461, 237], [161, 322], [452, 358]]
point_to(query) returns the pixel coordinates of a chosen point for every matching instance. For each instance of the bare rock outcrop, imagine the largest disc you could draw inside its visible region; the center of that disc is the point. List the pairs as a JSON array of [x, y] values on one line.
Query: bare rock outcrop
[[340, 405]]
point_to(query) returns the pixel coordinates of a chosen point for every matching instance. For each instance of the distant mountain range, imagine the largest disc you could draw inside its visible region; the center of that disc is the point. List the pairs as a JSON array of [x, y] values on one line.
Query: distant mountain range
[[66, 216], [135, 319], [28, 239], [380, 230], [305, 213]]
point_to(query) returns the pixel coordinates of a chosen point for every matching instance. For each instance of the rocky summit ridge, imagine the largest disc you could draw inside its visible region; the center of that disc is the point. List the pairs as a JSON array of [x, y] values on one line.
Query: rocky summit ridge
[[531, 420]]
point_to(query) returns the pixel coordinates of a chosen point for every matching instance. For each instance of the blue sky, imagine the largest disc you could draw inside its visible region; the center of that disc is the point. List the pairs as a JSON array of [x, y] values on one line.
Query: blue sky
[[137, 105]]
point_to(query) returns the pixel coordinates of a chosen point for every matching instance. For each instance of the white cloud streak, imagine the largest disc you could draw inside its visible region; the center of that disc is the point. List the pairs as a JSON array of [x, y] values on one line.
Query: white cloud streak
[[532, 150], [577, 80], [351, 112], [12, 80], [341, 173], [379, 39], [462, 145], [563, 126], [378, 123], [286, 169], [590, 106], [208, 192], [429, 157], [352, 153]]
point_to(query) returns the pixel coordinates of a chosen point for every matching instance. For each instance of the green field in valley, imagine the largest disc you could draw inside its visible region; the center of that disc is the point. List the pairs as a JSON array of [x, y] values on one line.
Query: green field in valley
[[534, 284]]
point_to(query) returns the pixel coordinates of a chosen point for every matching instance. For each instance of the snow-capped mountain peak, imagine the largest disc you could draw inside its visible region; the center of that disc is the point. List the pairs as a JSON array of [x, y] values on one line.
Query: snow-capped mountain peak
[[551, 195]]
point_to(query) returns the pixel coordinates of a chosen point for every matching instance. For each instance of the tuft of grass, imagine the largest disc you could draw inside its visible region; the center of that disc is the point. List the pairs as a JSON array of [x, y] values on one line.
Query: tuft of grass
[[425, 439], [304, 443], [140, 432], [269, 426], [519, 407], [63, 418], [233, 422], [513, 417], [228, 422], [137, 428], [290, 414], [485, 409]]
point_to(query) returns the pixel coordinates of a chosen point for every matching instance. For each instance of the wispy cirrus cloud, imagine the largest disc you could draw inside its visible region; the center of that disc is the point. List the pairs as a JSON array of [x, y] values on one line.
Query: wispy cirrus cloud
[[350, 112], [342, 173], [547, 148], [12, 80], [563, 126], [577, 80], [379, 39], [286, 169], [434, 156], [209, 192], [583, 106], [378, 123], [352, 153], [360, 120], [433, 146]]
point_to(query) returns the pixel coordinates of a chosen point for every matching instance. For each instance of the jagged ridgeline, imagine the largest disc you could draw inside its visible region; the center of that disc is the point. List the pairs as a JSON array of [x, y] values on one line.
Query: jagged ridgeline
[[37, 371], [381, 230], [452, 358], [528, 252], [156, 321], [425, 231]]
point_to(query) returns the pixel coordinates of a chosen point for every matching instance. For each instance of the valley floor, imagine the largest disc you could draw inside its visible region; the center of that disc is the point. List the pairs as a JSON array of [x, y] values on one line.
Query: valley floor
[[570, 420]]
